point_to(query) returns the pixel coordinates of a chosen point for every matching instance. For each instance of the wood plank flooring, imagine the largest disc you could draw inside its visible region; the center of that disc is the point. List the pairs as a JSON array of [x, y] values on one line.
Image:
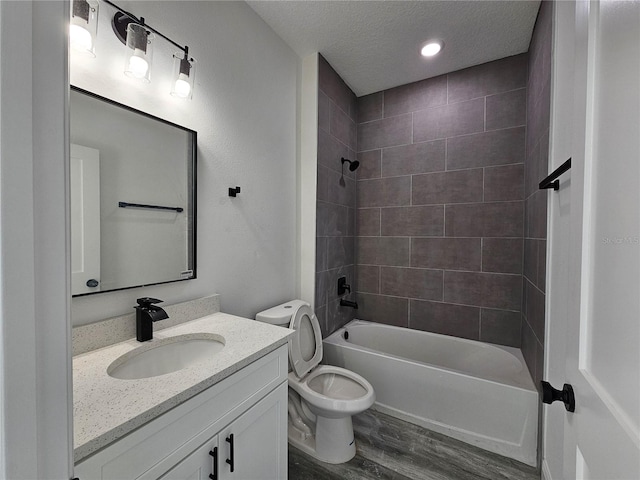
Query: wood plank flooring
[[391, 449]]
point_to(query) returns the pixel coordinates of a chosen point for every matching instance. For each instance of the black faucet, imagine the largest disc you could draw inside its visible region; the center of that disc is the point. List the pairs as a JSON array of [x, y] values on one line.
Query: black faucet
[[146, 314], [348, 303]]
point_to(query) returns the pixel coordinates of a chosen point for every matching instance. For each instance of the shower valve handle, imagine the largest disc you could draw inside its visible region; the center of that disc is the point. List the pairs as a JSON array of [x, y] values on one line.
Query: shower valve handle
[[343, 286]]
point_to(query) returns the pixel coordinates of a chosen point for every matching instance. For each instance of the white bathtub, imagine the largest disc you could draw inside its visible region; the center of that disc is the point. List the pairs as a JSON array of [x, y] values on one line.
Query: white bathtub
[[476, 392]]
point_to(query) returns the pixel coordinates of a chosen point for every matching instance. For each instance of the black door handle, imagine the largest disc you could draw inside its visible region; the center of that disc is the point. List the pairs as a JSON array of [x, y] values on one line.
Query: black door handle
[[229, 439], [214, 454], [550, 395], [92, 283]]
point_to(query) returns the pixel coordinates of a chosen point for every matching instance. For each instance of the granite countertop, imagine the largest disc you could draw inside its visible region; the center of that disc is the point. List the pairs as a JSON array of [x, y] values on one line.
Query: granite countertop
[[106, 409]]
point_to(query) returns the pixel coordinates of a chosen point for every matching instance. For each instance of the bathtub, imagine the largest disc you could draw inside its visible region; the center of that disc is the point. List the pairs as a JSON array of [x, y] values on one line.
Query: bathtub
[[476, 392]]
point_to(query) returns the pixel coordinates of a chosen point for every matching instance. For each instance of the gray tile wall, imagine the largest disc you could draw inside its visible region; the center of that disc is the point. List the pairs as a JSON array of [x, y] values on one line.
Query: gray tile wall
[[336, 198], [440, 203], [536, 166]]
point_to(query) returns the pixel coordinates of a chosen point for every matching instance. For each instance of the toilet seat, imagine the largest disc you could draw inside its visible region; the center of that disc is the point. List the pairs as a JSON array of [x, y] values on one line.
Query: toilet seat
[[350, 400], [305, 345]]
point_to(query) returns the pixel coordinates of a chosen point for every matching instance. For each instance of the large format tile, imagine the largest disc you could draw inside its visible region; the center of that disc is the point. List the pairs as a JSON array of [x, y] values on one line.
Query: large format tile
[[384, 133], [391, 251], [535, 310], [530, 264], [332, 220], [340, 188], [335, 88], [384, 192], [383, 309], [415, 96], [489, 78], [331, 150], [501, 327], [490, 290], [504, 183], [324, 111], [415, 158], [505, 110], [502, 255], [448, 121], [368, 222], [444, 318], [340, 252], [342, 126], [446, 253], [368, 278], [370, 107], [413, 221], [369, 164], [411, 282], [504, 219], [498, 147], [462, 186]]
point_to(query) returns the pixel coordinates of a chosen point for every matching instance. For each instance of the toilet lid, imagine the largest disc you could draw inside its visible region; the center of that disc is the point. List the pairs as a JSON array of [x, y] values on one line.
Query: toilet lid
[[305, 345]]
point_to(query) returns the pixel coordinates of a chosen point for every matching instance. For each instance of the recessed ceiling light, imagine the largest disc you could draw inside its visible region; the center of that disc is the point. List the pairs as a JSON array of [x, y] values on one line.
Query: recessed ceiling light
[[431, 48]]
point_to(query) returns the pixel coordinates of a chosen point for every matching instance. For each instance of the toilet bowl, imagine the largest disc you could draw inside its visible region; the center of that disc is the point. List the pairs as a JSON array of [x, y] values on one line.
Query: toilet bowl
[[322, 398]]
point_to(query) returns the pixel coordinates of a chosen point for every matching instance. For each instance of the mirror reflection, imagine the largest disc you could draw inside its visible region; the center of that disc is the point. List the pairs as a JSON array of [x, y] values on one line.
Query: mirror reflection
[[132, 184]]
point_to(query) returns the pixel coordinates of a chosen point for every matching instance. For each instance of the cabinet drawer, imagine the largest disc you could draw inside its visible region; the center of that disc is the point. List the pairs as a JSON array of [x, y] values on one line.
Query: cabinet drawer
[[164, 441]]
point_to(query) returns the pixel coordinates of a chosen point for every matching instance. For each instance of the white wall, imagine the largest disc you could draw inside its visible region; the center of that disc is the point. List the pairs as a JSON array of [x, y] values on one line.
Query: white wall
[[244, 110], [307, 178], [34, 273]]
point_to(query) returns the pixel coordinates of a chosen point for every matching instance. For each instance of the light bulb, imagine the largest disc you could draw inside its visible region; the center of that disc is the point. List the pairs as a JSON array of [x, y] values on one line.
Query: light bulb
[[182, 88], [80, 38], [138, 66], [431, 48]]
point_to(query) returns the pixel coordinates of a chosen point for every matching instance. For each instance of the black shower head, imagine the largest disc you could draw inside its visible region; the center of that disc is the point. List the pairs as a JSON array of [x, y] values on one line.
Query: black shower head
[[353, 165]]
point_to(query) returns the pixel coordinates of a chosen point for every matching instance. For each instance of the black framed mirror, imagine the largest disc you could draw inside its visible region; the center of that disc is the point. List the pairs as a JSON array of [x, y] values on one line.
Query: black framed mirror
[[133, 197]]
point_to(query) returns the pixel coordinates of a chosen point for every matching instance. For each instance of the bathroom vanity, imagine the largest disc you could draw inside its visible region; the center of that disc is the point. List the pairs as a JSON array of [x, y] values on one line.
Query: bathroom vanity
[[224, 417]]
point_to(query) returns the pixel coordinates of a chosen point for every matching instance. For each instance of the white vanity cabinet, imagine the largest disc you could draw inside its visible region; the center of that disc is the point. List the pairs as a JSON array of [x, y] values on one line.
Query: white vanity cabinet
[[242, 418], [251, 445]]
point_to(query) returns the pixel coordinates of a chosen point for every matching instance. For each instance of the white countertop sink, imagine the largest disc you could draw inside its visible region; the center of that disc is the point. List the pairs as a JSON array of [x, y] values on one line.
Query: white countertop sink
[[106, 408], [166, 356]]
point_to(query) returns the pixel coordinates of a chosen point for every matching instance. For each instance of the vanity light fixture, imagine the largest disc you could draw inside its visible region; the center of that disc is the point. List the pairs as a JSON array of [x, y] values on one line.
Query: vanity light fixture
[[431, 48], [138, 37], [139, 53], [84, 26], [184, 72]]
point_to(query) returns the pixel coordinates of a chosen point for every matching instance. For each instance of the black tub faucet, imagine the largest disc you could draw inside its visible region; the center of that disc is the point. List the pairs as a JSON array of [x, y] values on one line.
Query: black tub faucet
[[146, 314]]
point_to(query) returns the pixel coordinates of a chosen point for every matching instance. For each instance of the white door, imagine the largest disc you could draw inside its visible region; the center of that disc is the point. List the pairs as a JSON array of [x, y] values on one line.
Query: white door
[[85, 219], [593, 321]]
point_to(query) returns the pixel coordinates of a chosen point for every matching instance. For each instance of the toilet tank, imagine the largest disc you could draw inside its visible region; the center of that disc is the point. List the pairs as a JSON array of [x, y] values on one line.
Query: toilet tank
[[280, 314]]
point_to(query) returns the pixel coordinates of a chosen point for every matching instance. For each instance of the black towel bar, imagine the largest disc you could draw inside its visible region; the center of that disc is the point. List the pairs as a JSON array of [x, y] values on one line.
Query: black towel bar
[[550, 181], [154, 207]]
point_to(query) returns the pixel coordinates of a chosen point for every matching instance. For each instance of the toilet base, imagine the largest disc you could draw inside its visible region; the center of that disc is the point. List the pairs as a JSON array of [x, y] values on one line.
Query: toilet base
[[333, 441]]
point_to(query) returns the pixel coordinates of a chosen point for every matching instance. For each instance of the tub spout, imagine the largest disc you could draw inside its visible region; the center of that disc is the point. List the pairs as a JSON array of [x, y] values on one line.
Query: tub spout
[[348, 303]]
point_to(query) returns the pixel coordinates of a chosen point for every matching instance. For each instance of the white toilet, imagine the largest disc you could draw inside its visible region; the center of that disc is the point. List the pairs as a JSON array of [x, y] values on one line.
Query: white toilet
[[322, 398]]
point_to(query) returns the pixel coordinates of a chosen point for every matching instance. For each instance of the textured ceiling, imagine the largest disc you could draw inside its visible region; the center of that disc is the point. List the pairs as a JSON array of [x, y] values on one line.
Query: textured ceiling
[[375, 45]]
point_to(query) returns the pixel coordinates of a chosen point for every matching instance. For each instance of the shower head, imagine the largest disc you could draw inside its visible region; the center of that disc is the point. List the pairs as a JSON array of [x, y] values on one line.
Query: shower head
[[353, 165]]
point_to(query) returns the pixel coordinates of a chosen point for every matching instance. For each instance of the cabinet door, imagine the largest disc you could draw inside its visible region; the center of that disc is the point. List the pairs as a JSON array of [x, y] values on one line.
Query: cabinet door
[[256, 443], [200, 465]]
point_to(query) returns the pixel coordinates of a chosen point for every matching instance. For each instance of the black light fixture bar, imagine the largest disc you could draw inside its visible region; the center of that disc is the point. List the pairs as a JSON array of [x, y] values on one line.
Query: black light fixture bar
[[152, 207], [141, 21], [550, 181]]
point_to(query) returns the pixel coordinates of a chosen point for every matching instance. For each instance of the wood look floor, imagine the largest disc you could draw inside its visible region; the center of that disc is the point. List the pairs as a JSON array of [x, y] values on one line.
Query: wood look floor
[[391, 449]]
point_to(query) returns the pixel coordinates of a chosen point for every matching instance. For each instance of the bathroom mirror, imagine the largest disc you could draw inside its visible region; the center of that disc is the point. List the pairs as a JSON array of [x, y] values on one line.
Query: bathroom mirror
[[133, 191]]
